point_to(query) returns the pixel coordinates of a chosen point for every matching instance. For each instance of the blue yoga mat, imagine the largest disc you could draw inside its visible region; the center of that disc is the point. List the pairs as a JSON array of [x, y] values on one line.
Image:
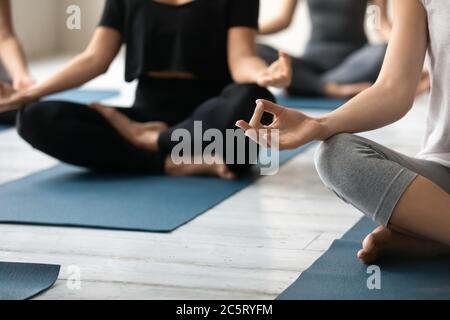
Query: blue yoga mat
[[339, 275], [21, 281], [69, 196], [309, 103], [83, 96]]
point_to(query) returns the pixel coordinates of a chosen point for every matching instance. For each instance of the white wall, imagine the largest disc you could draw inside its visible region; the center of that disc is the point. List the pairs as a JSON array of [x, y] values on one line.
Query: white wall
[[41, 25], [294, 38], [76, 40], [34, 21]]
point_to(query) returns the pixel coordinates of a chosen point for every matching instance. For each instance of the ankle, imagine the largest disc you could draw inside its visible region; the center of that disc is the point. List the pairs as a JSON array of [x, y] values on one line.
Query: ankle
[[332, 89]]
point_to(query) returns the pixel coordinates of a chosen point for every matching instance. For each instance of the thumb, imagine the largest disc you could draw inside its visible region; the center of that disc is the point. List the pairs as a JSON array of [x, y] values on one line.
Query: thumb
[[283, 55], [271, 107]]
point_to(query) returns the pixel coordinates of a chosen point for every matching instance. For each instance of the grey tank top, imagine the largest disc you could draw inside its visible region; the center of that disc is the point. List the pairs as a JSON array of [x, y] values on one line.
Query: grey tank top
[[338, 20]]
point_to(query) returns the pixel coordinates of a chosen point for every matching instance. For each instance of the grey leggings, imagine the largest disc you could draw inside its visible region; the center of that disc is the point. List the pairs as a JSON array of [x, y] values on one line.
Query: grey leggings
[[370, 176]]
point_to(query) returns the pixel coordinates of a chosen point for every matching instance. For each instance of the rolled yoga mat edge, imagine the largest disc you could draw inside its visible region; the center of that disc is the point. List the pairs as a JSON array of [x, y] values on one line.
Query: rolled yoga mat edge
[[73, 197], [23, 281], [83, 96], [309, 103]]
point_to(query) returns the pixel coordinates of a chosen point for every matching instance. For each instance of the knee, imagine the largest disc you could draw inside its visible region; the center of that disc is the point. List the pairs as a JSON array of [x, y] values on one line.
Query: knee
[[32, 121], [243, 101], [333, 159], [250, 93]]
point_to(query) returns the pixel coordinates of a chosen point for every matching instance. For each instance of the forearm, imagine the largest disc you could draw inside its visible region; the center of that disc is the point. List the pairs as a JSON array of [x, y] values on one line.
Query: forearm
[[13, 57], [80, 70], [247, 69], [374, 108], [273, 26]]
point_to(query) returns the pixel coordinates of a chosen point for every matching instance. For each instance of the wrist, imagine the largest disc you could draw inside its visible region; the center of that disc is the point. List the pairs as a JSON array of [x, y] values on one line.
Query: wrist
[[32, 93], [325, 128]]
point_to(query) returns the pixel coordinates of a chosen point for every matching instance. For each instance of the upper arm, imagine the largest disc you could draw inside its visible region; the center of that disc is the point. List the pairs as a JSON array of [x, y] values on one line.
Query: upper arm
[[108, 37], [104, 46], [241, 43], [406, 51], [243, 26], [287, 12]]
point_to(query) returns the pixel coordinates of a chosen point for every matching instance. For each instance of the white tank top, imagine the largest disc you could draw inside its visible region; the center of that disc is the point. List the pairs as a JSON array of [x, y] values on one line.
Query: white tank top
[[436, 146]]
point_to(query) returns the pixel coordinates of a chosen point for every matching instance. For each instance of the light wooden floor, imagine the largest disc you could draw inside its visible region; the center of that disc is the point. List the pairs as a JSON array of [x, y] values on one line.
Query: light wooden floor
[[252, 246]]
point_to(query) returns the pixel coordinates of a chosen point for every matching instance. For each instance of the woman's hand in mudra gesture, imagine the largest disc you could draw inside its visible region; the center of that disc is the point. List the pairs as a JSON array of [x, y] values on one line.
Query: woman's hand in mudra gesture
[[290, 128], [278, 74], [11, 99]]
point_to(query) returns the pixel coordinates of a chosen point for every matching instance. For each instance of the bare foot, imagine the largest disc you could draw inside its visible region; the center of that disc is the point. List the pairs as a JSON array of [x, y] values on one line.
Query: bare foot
[[335, 90], [218, 169], [142, 135], [382, 242]]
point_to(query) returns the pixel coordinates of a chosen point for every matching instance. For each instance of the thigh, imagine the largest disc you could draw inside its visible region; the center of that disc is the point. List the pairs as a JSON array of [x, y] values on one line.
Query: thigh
[[267, 53], [435, 172], [363, 65], [328, 55], [371, 176]]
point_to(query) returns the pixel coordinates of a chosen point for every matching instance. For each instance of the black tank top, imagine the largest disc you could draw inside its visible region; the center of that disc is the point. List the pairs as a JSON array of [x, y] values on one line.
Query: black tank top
[[189, 38], [338, 20]]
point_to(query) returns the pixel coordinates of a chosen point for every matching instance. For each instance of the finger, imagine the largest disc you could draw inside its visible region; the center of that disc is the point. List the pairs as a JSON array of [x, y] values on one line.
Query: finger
[[250, 132], [283, 56], [271, 107], [286, 61], [243, 125], [255, 122], [266, 81]]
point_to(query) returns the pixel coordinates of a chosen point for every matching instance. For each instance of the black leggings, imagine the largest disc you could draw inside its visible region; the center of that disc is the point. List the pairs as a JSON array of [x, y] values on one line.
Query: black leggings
[[8, 117], [80, 136], [324, 63]]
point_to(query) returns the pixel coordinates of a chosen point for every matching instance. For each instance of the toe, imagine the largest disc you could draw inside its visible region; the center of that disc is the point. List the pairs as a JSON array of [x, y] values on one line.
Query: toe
[[225, 173]]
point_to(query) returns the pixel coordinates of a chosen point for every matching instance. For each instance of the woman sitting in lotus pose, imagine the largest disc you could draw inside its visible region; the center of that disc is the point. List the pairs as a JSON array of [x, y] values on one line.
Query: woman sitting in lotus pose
[[195, 61], [407, 196], [338, 61]]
